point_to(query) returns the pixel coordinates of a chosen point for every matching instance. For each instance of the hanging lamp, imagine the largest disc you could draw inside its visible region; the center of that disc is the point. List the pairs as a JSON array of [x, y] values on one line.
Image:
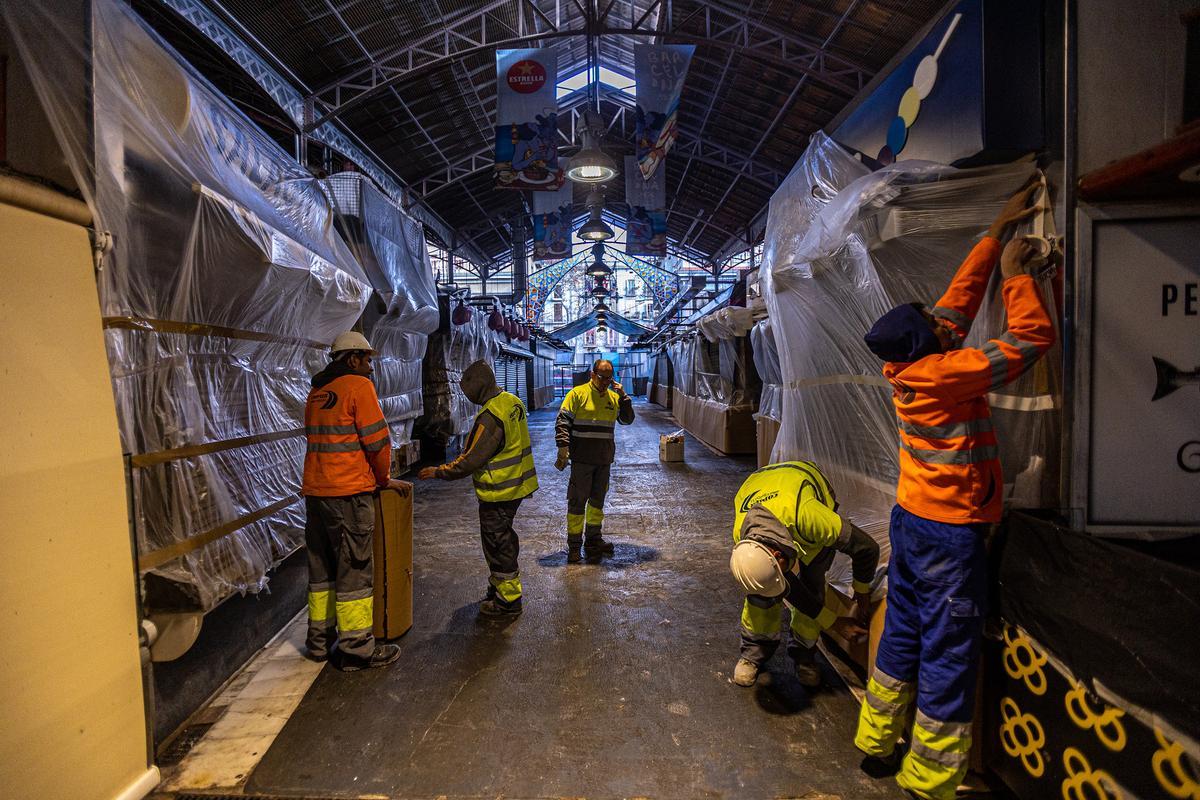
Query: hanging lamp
[[595, 229], [598, 269], [591, 164]]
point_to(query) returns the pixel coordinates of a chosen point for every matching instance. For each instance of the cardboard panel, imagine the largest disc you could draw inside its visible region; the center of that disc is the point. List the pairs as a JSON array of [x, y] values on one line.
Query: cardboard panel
[[393, 562], [729, 431], [768, 429]]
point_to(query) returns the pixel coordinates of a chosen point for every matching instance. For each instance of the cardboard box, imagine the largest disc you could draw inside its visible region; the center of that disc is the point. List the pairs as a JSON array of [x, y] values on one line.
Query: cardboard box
[[393, 562], [768, 432], [405, 456], [729, 430], [670, 448], [861, 652]]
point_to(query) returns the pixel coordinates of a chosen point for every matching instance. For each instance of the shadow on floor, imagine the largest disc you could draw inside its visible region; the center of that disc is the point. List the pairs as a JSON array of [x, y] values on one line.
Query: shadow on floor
[[624, 556]]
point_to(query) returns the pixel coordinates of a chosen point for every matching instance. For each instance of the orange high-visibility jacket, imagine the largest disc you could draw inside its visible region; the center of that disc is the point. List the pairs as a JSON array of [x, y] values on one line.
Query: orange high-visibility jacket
[[949, 461], [349, 448]]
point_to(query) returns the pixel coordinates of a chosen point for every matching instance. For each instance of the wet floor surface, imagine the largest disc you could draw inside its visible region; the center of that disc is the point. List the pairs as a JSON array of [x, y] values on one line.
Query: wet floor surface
[[613, 683]]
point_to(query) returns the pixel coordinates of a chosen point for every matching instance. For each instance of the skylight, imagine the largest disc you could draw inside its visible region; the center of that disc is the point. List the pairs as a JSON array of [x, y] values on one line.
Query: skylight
[[608, 77]]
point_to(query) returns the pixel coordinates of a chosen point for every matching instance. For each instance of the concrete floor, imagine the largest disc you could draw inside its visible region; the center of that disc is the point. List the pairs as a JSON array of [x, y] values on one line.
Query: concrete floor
[[613, 683]]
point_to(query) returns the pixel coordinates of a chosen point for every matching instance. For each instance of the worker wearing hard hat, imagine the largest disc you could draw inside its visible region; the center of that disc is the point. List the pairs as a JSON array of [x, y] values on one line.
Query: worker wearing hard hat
[[950, 492], [499, 457], [348, 458], [585, 433], [785, 531]]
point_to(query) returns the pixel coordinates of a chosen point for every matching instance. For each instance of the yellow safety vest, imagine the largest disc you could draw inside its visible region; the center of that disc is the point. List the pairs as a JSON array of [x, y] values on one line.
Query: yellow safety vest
[[788, 490], [510, 475]]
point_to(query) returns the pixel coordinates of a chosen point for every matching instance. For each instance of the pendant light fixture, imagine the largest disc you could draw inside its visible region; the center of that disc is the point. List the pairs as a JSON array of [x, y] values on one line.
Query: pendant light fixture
[[598, 269], [591, 164], [595, 229]]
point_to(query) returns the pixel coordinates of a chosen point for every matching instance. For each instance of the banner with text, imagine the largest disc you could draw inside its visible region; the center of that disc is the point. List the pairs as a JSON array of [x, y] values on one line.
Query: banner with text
[[646, 228], [527, 120], [552, 218], [659, 70]]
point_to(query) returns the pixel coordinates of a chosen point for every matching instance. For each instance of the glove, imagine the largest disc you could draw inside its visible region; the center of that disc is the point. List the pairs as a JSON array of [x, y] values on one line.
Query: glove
[[561, 462]]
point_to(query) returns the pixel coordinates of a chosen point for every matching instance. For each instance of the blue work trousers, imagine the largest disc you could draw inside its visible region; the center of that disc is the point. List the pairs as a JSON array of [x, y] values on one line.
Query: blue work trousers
[[937, 590]]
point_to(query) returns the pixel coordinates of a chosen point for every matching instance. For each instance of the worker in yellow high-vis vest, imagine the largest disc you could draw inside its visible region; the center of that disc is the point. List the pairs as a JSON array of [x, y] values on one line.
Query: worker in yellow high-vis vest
[[585, 434], [786, 529], [499, 457]]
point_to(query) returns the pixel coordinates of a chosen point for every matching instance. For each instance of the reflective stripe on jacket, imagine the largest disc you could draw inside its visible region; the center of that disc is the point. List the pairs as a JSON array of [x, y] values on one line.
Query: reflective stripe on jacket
[[587, 421], [949, 458], [510, 474], [349, 445], [799, 496]]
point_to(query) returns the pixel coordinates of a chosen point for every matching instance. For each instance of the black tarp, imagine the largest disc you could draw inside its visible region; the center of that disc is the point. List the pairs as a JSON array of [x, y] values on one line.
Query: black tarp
[[1124, 615]]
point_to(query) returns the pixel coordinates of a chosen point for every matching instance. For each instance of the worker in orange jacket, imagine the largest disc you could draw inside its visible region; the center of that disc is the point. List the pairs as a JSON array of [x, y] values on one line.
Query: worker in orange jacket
[[950, 492], [348, 459]]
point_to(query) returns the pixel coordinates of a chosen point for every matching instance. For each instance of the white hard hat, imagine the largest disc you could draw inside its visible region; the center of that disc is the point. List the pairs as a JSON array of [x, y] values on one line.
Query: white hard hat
[[756, 569], [351, 340]]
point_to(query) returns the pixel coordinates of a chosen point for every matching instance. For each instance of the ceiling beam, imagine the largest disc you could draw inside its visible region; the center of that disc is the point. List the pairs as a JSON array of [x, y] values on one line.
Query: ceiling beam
[[477, 32], [689, 145], [282, 85], [770, 129]]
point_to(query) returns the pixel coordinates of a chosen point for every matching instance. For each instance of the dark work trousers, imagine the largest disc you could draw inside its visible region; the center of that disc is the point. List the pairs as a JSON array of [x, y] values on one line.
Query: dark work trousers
[[500, 549], [585, 499], [805, 598], [339, 533]]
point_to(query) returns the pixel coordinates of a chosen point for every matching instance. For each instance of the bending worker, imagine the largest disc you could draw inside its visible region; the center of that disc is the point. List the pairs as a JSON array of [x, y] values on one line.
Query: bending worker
[[785, 531], [585, 433], [949, 494], [348, 458], [499, 457]]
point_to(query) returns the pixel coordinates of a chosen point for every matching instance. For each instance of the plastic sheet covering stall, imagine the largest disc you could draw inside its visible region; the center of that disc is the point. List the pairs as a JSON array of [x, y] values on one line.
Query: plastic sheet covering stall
[[766, 362], [842, 246], [390, 246], [662, 379], [716, 389], [452, 348], [224, 286]]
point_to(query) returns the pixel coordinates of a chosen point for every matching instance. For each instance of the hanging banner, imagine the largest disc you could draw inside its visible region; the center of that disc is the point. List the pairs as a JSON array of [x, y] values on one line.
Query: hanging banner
[[646, 228], [659, 70], [527, 120], [552, 218]]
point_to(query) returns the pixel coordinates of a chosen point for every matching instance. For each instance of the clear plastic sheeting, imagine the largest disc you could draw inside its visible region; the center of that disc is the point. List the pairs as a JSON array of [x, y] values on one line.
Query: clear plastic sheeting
[[453, 348], [728, 323], [225, 284], [843, 246], [766, 362], [390, 246], [714, 371]]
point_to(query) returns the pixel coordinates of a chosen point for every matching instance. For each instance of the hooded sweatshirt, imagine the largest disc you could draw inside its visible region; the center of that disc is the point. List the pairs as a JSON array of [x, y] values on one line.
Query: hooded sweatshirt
[[487, 435]]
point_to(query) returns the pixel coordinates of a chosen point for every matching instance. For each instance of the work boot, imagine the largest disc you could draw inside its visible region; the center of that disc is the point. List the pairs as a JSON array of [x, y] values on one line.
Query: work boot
[[807, 671], [596, 547], [882, 766], [574, 553], [497, 608], [745, 673], [384, 654]]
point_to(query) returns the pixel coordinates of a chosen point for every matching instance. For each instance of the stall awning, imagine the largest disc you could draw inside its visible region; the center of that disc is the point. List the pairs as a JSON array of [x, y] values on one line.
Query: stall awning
[[618, 323]]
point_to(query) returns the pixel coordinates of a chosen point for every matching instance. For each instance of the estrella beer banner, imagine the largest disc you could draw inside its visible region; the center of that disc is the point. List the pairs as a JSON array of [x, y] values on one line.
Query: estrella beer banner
[[552, 229], [659, 70], [527, 120], [646, 228]]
